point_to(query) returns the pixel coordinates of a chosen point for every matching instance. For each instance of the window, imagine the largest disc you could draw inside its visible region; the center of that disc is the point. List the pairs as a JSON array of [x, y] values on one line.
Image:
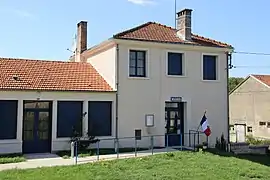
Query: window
[[8, 119], [209, 67], [175, 64], [231, 127], [249, 129], [137, 63], [100, 118], [268, 124], [69, 118], [262, 123]]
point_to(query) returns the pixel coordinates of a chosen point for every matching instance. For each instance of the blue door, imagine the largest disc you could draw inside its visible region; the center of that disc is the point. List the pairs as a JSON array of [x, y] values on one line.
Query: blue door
[[36, 130], [174, 124]]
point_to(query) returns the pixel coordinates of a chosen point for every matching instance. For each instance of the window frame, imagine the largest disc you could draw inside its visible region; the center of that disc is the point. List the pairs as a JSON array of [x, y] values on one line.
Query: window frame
[[183, 63], [146, 63], [217, 67], [262, 123]]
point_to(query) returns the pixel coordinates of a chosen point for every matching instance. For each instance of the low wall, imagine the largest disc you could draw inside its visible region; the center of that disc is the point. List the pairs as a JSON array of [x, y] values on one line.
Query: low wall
[[246, 148]]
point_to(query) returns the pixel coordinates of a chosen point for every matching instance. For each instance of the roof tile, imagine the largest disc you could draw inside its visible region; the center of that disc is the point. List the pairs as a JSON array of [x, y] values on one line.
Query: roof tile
[[263, 78], [25, 74], [155, 32]]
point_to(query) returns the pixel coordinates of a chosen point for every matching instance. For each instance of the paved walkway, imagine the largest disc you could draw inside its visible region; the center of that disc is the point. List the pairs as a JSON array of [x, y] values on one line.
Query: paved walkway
[[35, 161]]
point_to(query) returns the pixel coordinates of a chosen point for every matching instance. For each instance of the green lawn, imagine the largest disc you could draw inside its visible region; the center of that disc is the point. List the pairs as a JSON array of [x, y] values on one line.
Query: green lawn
[[93, 152], [171, 166], [11, 158]]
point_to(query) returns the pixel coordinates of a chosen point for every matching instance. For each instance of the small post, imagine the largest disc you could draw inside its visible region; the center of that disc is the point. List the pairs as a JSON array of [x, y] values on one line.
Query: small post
[[135, 147], [189, 140], [167, 137], [152, 144], [98, 151], [181, 145], [198, 141], [72, 146], [117, 149], [194, 138], [76, 152]]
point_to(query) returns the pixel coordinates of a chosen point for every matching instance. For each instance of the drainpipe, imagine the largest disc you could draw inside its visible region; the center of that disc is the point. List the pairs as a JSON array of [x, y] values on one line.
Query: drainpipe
[[116, 98], [228, 67]]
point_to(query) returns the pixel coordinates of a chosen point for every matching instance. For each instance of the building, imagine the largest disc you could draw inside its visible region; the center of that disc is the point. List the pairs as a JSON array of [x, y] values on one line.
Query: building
[[249, 108], [152, 72]]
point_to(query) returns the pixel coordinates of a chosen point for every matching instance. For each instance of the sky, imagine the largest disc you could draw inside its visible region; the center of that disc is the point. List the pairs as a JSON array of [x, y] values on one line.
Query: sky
[[39, 29]]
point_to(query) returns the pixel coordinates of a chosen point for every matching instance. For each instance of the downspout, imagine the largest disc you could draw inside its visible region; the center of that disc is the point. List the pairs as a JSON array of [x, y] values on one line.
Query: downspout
[[228, 67], [116, 97]]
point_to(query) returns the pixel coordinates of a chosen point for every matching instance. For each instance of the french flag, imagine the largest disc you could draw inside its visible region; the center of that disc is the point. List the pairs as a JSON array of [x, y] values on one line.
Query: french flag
[[205, 126]]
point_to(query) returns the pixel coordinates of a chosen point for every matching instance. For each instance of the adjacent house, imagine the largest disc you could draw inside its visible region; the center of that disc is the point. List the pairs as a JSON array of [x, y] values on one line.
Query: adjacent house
[[250, 108], [148, 80]]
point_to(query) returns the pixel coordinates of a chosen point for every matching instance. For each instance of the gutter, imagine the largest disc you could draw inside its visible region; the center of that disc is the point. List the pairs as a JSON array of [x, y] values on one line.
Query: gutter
[[117, 96]]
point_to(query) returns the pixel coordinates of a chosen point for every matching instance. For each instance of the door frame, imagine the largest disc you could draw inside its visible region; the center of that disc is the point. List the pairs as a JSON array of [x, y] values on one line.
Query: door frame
[[36, 111], [181, 111], [236, 133]]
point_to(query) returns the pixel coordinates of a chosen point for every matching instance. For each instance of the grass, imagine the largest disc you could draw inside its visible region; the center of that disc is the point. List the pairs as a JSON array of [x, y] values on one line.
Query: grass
[[93, 152], [11, 158], [171, 166]]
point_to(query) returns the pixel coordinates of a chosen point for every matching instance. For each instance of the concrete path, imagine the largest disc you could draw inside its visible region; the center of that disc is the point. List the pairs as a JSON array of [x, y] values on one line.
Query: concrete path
[[49, 160]]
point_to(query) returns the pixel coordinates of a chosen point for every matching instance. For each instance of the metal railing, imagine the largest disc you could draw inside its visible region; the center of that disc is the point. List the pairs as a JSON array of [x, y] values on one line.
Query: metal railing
[[143, 144]]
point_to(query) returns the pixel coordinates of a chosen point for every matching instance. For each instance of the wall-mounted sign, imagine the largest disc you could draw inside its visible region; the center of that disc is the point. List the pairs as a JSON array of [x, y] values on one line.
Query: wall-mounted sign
[[149, 120], [176, 99]]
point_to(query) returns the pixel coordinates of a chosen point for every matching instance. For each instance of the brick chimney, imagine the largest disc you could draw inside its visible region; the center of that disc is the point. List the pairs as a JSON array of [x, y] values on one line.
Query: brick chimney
[[81, 44], [184, 24]]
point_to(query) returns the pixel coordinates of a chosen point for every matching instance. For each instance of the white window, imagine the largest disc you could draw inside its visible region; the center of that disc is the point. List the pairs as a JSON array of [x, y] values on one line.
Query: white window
[[137, 63]]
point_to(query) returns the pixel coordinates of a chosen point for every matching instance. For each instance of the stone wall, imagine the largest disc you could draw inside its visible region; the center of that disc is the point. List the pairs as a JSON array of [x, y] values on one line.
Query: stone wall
[[246, 148]]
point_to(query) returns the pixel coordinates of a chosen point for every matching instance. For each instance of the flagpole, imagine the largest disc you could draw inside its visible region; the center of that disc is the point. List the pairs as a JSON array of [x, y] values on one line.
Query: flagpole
[[175, 6]]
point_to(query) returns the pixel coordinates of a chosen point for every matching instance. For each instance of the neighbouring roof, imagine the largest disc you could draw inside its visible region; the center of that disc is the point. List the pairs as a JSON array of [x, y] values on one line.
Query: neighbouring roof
[[155, 32], [25, 74], [263, 78]]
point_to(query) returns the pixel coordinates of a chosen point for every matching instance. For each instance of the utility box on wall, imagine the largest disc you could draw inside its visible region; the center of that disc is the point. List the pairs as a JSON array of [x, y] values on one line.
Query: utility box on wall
[[138, 134]]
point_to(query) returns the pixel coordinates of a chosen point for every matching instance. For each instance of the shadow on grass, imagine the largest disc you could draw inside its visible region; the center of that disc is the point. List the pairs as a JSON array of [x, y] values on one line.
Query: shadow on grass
[[261, 159]]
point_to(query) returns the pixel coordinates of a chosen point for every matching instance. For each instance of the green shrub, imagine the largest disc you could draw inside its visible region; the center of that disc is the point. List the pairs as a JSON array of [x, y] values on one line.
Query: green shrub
[[221, 143], [253, 141]]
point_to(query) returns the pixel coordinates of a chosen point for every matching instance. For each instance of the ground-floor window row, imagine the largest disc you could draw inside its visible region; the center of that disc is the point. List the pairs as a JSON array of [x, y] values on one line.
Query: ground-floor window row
[[37, 119]]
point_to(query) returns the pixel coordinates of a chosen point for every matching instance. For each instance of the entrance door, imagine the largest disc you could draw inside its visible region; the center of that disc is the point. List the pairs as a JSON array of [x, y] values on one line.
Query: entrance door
[[37, 127], [240, 130], [174, 114]]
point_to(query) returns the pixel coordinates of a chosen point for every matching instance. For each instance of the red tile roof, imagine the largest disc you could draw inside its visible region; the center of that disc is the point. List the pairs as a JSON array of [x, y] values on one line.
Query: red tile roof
[[25, 74], [263, 78], [156, 32]]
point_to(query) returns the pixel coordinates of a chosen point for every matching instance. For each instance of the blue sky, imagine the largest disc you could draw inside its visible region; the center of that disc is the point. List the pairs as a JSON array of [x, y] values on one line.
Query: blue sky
[[44, 29]]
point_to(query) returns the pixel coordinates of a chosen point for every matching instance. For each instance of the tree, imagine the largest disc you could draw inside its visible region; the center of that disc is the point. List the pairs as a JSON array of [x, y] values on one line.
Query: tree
[[234, 81]]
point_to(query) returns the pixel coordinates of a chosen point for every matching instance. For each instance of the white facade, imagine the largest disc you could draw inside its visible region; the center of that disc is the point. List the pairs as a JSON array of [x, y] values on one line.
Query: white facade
[[57, 144], [141, 96]]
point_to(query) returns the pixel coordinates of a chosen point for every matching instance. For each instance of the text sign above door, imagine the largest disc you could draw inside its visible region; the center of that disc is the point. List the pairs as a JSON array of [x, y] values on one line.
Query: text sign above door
[[176, 99]]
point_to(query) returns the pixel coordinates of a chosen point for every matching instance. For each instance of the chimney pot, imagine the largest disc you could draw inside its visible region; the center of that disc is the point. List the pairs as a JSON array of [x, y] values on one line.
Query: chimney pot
[[184, 24]]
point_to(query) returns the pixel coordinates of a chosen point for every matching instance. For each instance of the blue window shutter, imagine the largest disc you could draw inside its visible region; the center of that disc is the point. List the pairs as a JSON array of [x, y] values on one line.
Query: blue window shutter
[[69, 115], [8, 119], [175, 64], [209, 67], [100, 118]]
